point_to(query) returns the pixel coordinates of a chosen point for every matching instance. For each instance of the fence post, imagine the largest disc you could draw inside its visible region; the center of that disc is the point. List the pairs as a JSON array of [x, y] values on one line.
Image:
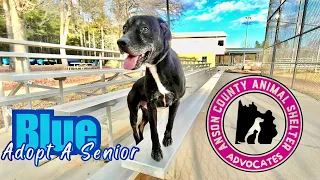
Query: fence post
[[317, 61], [299, 42]]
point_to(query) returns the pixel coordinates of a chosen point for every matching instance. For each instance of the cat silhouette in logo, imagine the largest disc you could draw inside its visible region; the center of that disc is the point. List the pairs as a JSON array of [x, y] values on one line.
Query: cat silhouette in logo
[[252, 138]]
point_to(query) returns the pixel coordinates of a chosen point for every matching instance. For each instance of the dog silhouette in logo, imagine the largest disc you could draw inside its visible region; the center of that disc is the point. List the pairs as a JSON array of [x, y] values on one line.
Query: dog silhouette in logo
[[254, 127], [251, 120]]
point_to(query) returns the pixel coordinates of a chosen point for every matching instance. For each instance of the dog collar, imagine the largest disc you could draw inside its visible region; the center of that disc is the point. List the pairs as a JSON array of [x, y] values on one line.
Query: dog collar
[[162, 58]]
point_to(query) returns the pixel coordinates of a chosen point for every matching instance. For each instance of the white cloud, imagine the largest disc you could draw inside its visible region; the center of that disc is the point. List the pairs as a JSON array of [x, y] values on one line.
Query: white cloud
[[190, 17], [226, 7], [218, 19], [205, 17], [199, 4], [259, 18], [264, 11], [230, 6]]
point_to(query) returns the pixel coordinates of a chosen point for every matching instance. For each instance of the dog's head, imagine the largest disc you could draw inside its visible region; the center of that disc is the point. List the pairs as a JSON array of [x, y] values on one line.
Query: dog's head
[[145, 39]]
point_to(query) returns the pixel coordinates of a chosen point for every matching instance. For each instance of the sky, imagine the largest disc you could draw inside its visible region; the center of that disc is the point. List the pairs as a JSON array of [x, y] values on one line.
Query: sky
[[228, 16]]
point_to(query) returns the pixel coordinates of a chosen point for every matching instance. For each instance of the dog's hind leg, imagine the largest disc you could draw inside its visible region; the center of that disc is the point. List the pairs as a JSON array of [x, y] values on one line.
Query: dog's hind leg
[[133, 105], [167, 139], [143, 122]]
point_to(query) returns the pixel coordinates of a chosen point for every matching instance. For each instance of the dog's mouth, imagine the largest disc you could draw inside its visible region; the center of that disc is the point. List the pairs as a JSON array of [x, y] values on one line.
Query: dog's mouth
[[132, 61]]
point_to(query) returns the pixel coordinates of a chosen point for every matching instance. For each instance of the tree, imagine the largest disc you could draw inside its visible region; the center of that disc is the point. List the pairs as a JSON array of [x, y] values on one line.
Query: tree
[[158, 8], [123, 9], [42, 25], [3, 31], [259, 45], [14, 10], [78, 10], [65, 15], [86, 23]]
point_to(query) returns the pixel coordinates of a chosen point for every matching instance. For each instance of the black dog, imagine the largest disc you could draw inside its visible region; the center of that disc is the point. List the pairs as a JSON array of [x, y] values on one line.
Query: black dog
[[146, 41]]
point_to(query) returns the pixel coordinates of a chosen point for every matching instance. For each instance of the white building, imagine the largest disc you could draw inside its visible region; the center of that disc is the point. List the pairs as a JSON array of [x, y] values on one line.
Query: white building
[[200, 45]]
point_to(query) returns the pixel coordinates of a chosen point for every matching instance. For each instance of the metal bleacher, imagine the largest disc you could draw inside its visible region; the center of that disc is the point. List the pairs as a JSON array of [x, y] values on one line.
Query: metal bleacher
[[104, 103]]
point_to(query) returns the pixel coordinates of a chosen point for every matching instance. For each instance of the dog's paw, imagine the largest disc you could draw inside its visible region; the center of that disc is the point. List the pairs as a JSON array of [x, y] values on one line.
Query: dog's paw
[[137, 139], [156, 154], [169, 98], [167, 141], [155, 96]]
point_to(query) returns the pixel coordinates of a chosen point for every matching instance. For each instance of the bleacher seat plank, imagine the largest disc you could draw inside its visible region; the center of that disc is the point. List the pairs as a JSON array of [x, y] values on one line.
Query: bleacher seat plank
[[13, 76], [87, 105], [8, 100], [114, 172], [187, 113]]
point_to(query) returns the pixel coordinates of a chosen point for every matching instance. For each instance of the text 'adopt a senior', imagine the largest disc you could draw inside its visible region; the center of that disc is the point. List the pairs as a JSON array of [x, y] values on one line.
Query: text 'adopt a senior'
[[38, 134]]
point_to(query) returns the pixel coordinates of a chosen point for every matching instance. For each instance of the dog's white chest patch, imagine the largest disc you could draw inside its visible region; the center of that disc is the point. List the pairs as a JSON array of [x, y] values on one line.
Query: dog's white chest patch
[[153, 70]]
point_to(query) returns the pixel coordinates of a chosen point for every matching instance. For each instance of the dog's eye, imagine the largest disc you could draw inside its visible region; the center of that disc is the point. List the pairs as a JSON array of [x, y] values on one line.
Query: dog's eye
[[124, 28], [144, 29]]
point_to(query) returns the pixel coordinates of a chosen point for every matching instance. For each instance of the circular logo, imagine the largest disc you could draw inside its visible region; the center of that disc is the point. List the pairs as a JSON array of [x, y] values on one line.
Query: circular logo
[[254, 123]]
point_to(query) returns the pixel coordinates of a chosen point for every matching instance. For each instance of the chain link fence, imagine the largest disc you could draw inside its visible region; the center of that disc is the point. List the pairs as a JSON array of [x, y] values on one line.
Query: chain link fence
[[292, 45]]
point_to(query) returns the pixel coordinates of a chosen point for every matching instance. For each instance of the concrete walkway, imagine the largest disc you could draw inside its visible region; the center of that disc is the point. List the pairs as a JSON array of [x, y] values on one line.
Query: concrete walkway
[[197, 160]]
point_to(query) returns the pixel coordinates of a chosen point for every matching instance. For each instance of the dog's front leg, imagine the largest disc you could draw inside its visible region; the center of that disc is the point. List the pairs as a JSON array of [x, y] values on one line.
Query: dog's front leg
[[156, 152], [167, 139]]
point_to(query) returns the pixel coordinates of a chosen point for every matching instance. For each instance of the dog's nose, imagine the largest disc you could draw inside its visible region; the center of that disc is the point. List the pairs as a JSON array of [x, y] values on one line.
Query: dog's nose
[[122, 42]]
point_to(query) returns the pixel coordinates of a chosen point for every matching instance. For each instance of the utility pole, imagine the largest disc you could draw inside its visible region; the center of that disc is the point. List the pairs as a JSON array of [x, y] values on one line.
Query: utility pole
[[168, 13], [246, 41]]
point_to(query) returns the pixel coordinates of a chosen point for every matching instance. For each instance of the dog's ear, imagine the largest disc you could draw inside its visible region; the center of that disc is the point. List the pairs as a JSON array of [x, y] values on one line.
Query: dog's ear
[[165, 29]]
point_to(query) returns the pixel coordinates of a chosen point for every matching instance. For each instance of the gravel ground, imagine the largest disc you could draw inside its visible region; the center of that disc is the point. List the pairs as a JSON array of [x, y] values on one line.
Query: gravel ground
[[70, 81], [40, 104]]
